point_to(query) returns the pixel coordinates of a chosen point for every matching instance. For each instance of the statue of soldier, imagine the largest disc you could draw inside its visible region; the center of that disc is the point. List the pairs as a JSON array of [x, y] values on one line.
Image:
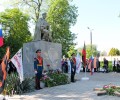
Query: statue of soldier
[[42, 30]]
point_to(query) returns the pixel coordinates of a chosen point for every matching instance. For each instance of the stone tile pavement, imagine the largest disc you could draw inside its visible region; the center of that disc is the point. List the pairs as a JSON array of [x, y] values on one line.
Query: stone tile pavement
[[80, 90]]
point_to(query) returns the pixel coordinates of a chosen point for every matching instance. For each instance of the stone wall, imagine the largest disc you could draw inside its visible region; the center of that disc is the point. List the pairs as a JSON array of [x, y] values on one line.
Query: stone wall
[[51, 53]]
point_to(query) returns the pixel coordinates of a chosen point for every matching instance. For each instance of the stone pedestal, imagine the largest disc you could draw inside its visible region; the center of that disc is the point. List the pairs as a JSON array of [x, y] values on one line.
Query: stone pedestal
[[51, 53]]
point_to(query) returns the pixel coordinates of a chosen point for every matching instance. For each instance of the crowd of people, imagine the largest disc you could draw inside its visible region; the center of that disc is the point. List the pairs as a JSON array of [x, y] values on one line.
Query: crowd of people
[[69, 66], [116, 65], [94, 65]]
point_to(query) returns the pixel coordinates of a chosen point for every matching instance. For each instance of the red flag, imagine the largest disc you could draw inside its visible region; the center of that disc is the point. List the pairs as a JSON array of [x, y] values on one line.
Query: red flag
[[3, 69], [84, 55], [1, 38]]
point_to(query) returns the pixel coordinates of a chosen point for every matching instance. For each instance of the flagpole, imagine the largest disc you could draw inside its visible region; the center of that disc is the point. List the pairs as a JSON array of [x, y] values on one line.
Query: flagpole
[[91, 44], [85, 77], [85, 71]]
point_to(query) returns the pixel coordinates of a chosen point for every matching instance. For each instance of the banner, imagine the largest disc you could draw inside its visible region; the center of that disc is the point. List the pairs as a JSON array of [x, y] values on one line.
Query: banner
[[78, 63], [3, 69], [90, 66], [69, 66], [17, 61], [84, 55]]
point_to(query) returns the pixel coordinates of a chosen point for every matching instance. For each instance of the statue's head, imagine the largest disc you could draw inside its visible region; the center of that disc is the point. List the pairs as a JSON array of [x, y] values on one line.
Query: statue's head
[[44, 15]]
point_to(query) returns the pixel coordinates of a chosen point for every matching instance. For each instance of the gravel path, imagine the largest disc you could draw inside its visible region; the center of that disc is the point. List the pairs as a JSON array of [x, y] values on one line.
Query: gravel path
[[80, 90]]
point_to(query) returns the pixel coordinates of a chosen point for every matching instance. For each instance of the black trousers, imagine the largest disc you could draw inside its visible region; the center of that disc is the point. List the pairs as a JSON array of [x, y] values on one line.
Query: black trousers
[[73, 71], [106, 68], [37, 83], [95, 70], [83, 69], [98, 69], [114, 68]]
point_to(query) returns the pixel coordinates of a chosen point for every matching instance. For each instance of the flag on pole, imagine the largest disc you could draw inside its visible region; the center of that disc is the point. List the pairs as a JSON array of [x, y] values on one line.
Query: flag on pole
[[84, 55], [78, 63], [17, 61], [3, 69], [1, 37], [69, 66], [90, 66], [95, 62]]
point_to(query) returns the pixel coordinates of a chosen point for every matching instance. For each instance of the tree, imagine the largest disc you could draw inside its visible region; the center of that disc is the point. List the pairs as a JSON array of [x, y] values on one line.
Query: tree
[[114, 52], [15, 29], [89, 53], [94, 51], [103, 53], [60, 25], [71, 51], [32, 7], [61, 15]]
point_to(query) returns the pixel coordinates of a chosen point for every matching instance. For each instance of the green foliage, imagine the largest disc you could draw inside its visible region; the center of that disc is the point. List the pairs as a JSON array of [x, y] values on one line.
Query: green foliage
[[89, 52], [110, 91], [61, 15], [31, 7], [114, 52], [15, 30], [110, 67], [71, 51], [14, 86], [94, 51]]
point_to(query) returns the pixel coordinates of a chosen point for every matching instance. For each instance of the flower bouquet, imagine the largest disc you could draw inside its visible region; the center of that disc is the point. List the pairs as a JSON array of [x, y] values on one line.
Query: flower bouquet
[[109, 89]]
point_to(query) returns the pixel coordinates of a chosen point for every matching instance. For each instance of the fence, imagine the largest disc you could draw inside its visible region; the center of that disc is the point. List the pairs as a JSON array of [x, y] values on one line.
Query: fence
[[109, 58]]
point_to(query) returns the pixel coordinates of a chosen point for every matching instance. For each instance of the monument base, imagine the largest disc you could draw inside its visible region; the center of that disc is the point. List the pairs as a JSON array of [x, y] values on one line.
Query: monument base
[[51, 53], [85, 78]]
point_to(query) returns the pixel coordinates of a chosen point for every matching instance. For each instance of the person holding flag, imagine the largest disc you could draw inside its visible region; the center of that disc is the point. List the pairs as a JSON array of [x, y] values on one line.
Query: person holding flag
[[3, 69], [78, 62], [84, 60], [73, 67], [84, 56], [91, 65]]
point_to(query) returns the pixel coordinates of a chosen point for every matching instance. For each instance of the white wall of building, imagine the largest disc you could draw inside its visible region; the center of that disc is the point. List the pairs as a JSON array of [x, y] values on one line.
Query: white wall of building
[[109, 58]]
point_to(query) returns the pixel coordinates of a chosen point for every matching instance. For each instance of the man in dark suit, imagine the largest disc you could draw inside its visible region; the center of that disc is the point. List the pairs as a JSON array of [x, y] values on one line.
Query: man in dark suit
[[106, 65], [98, 65], [73, 67]]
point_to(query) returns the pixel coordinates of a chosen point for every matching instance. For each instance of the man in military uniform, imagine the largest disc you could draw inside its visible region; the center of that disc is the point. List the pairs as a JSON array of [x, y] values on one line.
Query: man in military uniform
[[38, 68], [73, 67]]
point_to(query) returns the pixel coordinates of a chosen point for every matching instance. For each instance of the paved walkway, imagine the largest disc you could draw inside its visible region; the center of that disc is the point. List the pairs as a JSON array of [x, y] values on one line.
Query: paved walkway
[[81, 90]]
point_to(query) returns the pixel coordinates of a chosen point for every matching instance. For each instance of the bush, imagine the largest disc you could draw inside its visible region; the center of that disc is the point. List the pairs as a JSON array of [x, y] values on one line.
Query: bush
[[14, 86], [55, 79], [110, 68]]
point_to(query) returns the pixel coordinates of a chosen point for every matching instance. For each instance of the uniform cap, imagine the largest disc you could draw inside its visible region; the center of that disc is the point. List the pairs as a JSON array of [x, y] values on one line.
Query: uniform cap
[[39, 50]]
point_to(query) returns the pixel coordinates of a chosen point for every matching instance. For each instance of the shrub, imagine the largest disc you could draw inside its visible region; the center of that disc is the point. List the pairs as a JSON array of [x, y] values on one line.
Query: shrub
[[110, 68], [14, 86], [54, 78]]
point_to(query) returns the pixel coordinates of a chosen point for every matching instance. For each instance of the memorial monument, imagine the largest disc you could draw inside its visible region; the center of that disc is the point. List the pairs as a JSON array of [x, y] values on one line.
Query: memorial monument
[[51, 52], [42, 30]]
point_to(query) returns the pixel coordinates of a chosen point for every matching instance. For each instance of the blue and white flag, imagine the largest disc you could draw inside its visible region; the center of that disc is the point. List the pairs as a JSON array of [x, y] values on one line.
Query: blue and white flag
[[78, 63], [69, 66]]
